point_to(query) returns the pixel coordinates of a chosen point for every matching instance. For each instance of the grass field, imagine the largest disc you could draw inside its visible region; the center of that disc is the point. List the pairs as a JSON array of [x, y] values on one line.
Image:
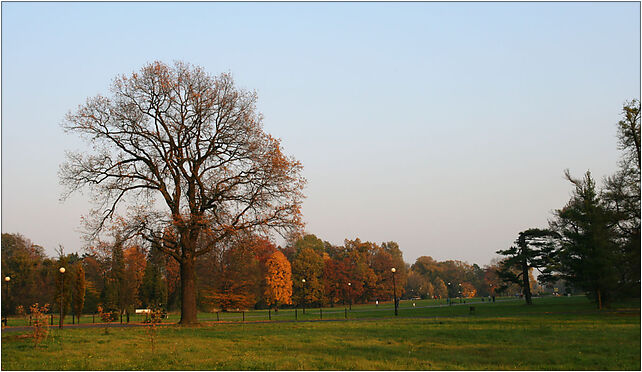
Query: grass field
[[385, 309], [555, 333]]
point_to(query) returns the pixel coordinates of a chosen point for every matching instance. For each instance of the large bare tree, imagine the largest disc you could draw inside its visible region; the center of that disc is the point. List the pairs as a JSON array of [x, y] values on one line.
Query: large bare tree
[[183, 157]]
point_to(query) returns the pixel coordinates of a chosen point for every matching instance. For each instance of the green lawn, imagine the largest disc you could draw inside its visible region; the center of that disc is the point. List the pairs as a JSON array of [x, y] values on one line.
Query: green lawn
[[555, 333]]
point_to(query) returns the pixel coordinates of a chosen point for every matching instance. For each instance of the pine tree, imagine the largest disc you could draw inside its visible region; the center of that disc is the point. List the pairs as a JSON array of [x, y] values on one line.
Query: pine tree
[[587, 257], [532, 249]]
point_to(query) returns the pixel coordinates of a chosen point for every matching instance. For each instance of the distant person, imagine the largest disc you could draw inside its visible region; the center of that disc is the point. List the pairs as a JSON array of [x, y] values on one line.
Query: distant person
[[493, 298], [377, 303]]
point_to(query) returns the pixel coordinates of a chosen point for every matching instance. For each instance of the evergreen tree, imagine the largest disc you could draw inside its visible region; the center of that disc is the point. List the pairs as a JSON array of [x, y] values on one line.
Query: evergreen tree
[[587, 257], [532, 249], [622, 197], [154, 287]]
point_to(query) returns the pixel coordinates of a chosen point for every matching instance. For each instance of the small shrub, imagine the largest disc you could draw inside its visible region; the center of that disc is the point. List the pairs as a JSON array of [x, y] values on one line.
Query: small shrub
[[39, 326], [106, 317], [155, 317]]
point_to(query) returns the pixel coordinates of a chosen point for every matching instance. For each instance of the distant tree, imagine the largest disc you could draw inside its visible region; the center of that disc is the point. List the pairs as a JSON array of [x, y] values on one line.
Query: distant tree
[[468, 290], [414, 283], [118, 293], [178, 137], [135, 263], [492, 282], [79, 288], [532, 250], [154, 287], [278, 280], [235, 279], [336, 278], [441, 290], [30, 271], [307, 264], [263, 248]]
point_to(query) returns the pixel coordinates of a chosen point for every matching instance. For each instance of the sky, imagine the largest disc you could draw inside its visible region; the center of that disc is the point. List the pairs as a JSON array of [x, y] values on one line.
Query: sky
[[445, 127]]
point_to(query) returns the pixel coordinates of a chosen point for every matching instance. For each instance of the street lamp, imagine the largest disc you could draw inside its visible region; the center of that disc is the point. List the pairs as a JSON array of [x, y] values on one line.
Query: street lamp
[[7, 279], [350, 294], [62, 291], [394, 289], [303, 297]]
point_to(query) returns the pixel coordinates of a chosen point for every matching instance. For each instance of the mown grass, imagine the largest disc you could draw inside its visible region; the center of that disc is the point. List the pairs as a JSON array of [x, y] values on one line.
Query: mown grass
[[554, 334], [385, 309]]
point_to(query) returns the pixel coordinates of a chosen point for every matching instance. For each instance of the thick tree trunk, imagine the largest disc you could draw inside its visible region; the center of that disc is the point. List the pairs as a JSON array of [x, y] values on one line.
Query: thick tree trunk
[[526, 283], [188, 293]]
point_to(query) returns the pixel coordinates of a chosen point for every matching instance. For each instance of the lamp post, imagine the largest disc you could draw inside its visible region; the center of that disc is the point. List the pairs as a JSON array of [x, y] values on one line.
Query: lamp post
[[394, 289], [7, 279], [350, 295], [303, 296], [62, 293]]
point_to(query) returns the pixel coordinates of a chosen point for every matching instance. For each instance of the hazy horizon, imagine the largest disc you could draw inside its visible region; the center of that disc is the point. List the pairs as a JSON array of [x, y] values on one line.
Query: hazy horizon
[[445, 127]]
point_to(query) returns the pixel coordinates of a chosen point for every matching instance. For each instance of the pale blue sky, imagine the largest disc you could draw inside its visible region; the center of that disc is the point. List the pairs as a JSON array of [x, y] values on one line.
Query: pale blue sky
[[443, 126]]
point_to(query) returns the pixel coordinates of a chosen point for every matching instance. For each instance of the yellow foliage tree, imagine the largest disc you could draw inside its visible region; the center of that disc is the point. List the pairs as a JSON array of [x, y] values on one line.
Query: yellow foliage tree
[[468, 290], [278, 280]]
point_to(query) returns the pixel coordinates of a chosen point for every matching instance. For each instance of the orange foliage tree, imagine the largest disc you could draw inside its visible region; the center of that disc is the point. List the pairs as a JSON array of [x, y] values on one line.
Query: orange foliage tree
[[468, 290], [278, 280]]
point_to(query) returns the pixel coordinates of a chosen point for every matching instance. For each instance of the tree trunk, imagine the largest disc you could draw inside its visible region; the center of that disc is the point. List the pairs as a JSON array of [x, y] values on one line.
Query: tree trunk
[[526, 283], [188, 293]]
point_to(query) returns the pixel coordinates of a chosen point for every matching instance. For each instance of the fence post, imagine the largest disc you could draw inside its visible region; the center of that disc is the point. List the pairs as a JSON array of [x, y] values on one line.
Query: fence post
[[217, 319], [51, 322], [269, 314], [243, 315], [321, 313]]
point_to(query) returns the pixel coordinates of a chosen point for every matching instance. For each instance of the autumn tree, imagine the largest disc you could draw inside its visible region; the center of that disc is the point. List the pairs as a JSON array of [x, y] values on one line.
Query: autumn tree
[[335, 279], [307, 265], [135, 263], [278, 280], [235, 277], [533, 249], [468, 290], [79, 288], [413, 283], [186, 152], [441, 290], [30, 272]]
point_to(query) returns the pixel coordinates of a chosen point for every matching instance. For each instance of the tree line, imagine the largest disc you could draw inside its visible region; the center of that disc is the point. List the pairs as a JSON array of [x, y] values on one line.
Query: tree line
[[249, 272]]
